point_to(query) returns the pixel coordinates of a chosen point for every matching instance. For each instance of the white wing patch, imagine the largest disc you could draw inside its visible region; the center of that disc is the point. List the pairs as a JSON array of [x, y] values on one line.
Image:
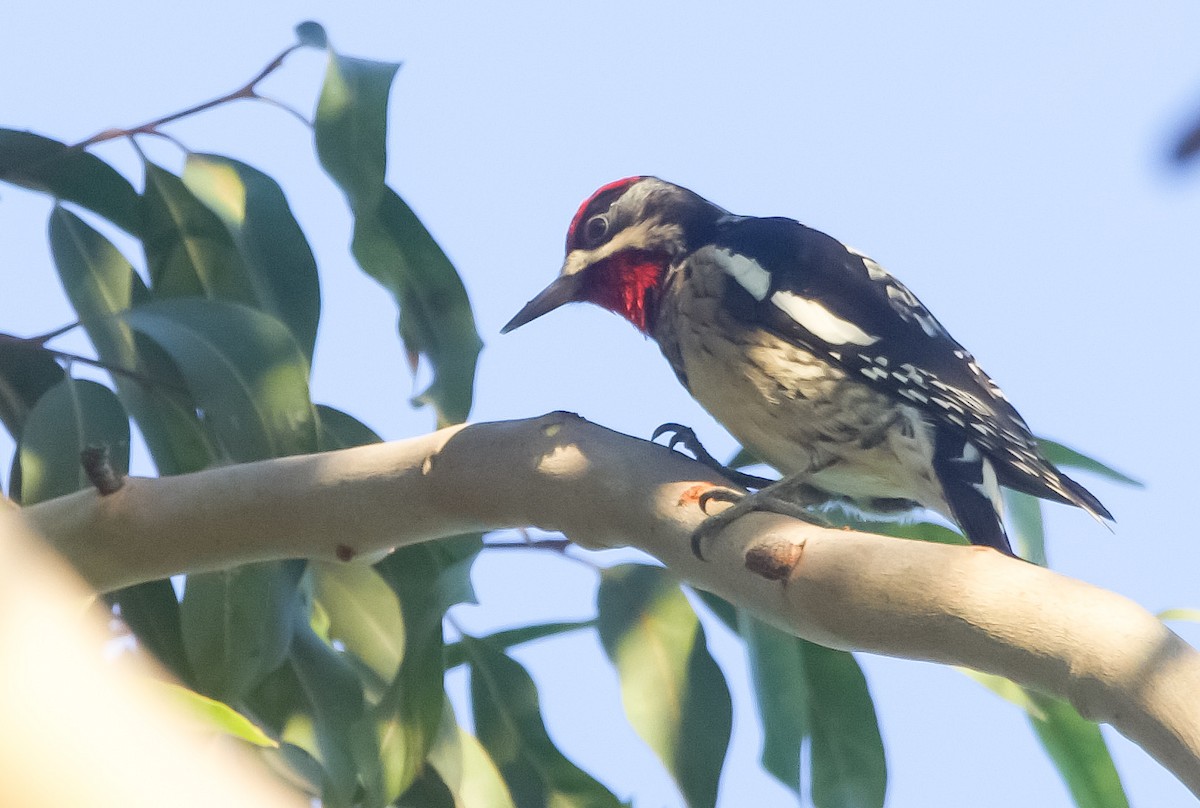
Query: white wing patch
[[746, 271], [820, 321]]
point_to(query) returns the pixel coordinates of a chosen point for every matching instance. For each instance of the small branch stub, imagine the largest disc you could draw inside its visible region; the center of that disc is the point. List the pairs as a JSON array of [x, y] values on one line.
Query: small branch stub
[[97, 465]]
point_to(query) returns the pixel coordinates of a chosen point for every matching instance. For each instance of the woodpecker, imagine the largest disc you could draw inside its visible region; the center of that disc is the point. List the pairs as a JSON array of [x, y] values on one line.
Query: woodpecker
[[817, 360]]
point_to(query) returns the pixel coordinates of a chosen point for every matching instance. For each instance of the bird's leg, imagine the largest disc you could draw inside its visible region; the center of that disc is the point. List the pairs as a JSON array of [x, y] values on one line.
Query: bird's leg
[[792, 496], [685, 437]]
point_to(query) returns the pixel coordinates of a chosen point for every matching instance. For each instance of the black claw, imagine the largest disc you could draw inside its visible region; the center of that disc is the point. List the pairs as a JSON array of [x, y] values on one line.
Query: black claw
[[720, 495], [678, 429], [696, 551]]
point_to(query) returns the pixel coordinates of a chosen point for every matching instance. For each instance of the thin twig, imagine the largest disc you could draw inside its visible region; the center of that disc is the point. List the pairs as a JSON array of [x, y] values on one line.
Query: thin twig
[[247, 91]]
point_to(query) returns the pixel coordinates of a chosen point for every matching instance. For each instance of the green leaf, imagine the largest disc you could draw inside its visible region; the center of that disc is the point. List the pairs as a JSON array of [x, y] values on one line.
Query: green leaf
[[50, 166], [221, 716], [1080, 753], [279, 265], [848, 765], [780, 679], [409, 714], [427, 791], [311, 34], [1074, 744], [188, 250], [392, 246], [465, 767], [1066, 457], [509, 724], [673, 692], [1180, 614], [151, 611], [238, 623], [1026, 526], [336, 697], [26, 373], [71, 416], [243, 369], [101, 285], [341, 431], [351, 126], [364, 614], [508, 638]]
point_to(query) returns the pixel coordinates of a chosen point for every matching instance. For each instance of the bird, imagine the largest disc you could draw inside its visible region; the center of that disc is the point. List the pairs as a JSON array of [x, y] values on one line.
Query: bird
[[821, 363]]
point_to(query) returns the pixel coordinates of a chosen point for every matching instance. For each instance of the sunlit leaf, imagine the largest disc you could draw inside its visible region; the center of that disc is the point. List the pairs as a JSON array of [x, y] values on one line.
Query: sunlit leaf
[[336, 697], [101, 285], [218, 714], [188, 250], [674, 694], [47, 165], [71, 416], [1180, 614], [238, 623], [509, 724], [279, 265], [392, 246], [465, 767], [1025, 525], [243, 368], [364, 613], [1066, 457], [351, 126]]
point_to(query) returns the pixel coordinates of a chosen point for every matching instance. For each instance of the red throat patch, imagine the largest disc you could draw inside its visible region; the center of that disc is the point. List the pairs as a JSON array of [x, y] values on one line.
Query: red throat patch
[[628, 284]]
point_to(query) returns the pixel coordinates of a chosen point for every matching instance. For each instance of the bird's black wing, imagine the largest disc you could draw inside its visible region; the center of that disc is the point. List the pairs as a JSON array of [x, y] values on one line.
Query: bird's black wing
[[844, 306]]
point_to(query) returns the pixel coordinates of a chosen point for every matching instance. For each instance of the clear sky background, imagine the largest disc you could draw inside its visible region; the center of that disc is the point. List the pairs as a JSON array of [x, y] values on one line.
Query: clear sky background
[[1007, 162]]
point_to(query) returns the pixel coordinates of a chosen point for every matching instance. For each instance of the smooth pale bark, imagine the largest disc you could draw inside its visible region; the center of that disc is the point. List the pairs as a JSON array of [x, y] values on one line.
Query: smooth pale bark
[[78, 730], [965, 606]]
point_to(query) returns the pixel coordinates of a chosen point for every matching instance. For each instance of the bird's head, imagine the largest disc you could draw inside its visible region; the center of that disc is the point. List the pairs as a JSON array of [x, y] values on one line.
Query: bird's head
[[620, 245]]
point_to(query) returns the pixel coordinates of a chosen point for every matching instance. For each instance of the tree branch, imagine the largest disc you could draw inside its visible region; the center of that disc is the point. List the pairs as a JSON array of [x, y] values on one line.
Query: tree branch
[[965, 606]]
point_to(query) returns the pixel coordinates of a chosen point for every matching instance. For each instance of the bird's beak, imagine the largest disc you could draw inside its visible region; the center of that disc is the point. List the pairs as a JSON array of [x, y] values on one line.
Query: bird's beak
[[565, 289]]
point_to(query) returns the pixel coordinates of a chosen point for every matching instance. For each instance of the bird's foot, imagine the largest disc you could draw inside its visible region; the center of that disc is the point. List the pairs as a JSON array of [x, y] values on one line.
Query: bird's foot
[[684, 436], [769, 500]]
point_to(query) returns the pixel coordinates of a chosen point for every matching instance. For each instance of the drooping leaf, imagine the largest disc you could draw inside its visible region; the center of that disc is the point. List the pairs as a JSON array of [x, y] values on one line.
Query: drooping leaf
[[280, 269], [465, 767], [1066, 457], [238, 624], [1074, 744], [849, 769], [72, 415], [777, 670], [674, 694], [364, 614], [341, 431], [220, 715], [336, 697], [188, 250], [50, 166], [351, 126], [408, 716], [101, 285], [1026, 526], [392, 246], [390, 242], [26, 373], [244, 370], [509, 724], [508, 638], [151, 611]]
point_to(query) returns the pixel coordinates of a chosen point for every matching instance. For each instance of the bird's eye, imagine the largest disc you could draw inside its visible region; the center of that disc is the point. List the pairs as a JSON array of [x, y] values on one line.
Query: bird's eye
[[595, 229]]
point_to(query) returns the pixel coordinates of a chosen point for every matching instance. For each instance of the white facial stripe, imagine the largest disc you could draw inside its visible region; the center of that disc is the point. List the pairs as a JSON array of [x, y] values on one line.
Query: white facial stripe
[[746, 271], [820, 321]]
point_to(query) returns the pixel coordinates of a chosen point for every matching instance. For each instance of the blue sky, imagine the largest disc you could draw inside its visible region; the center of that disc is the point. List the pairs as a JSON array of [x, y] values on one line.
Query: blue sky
[[1006, 162]]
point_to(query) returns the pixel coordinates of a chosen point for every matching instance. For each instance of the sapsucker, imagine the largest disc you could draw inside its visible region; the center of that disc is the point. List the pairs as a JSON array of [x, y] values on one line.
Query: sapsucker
[[821, 363]]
